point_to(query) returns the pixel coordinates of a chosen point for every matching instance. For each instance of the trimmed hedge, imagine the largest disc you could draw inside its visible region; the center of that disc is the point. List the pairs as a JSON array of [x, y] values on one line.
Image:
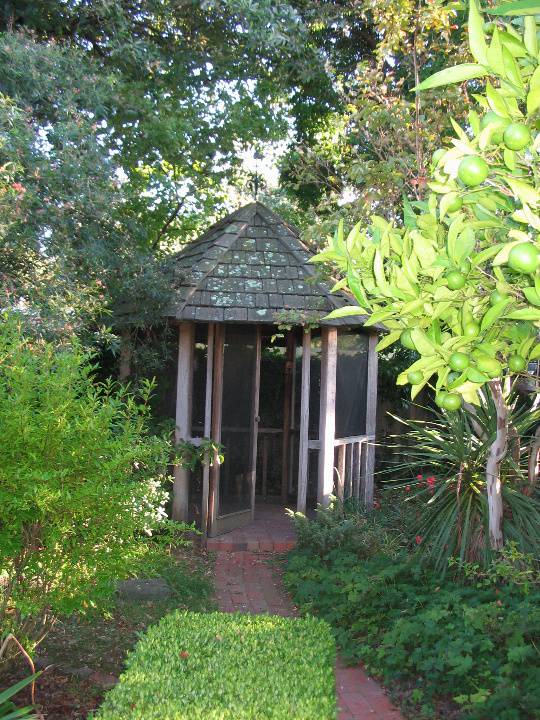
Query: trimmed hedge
[[220, 666]]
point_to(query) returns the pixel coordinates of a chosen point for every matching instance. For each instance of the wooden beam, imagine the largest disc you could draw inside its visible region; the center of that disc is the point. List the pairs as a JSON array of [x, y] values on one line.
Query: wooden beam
[[356, 469], [124, 369], [217, 399], [327, 422], [184, 387], [207, 425], [303, 451], [287, 402], [255, 417], [366, 494]]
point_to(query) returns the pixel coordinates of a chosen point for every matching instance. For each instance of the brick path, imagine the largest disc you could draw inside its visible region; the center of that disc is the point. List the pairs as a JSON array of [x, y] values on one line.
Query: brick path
[[245, 582]]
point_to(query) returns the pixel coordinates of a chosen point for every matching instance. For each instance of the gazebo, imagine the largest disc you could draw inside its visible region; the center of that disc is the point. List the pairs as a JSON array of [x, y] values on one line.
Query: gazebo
[[290, 396]]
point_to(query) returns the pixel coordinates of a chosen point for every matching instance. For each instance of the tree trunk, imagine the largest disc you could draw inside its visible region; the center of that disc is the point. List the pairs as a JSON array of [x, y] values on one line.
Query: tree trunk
[[496, 454], [124, 370]]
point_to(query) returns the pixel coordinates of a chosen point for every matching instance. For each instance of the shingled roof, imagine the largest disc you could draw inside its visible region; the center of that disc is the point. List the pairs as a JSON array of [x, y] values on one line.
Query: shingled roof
[[250, 267]]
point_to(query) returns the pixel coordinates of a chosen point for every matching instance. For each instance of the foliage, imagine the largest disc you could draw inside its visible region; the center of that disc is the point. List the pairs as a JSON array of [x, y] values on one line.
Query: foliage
[[446, 279], [82, 483], [209, 666], [471, 645], [344, 525], [8, 711], [450, 453], [191, 456]]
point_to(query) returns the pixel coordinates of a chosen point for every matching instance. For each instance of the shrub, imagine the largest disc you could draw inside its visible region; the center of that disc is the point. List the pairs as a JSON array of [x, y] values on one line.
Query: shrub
[[228, 667], [344, 525], [81, 483], [474, 644]]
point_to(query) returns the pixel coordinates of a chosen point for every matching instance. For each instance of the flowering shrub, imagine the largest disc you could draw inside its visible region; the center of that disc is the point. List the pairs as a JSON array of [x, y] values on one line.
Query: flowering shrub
[[81, 483]]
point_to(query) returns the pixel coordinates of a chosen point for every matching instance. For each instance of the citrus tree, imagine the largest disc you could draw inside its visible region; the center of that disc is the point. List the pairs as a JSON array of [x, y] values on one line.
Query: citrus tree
[[458, 281]]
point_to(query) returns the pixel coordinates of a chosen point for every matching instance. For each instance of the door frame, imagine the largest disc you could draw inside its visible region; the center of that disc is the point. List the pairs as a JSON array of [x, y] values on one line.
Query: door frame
[[217, 525]]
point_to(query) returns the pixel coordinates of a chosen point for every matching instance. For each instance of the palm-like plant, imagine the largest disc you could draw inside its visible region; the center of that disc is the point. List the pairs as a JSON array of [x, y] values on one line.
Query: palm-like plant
[[8, 711], [451, 452]]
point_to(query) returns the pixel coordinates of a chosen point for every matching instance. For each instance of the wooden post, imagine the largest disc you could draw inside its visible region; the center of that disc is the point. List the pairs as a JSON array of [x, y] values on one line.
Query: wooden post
[[366, 494], [255, 417], [303, 451], [356, 469], [184, 387], [207, 425], [341, 472], [327, 423], [217, 398], [265, 466], [289, 360]]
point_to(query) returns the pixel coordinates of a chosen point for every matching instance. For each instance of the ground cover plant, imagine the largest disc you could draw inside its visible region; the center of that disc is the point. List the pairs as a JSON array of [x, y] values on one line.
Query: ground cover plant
[[84, 654], [465, 646], [221, 666]]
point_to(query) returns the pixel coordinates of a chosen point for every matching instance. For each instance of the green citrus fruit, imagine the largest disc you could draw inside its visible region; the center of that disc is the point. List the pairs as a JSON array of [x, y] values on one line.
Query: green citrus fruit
[[497, 297], [473, 170], [452, 402], [517, 363], [437, 155], [458, 361], [488, 365], [517, 136], [455, 280], [455, 203], [524, 258], [440, 397], [415, 377], [406, 340], [471, 329], [500, 123]]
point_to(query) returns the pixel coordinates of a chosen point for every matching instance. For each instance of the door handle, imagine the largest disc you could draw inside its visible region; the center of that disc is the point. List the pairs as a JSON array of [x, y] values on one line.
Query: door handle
[[257, 418]]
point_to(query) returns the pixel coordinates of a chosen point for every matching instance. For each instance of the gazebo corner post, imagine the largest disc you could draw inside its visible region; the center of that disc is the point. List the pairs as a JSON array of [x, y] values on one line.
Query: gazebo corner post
[[327, 421], [367, 485], [184, 386], [303, 451]]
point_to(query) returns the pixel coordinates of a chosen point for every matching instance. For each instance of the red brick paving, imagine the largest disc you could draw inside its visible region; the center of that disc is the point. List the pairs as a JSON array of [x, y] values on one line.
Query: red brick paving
[[246, 582]]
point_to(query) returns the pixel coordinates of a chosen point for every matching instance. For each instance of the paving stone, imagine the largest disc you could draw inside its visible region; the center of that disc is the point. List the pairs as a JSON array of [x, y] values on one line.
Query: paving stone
[[151, 589]]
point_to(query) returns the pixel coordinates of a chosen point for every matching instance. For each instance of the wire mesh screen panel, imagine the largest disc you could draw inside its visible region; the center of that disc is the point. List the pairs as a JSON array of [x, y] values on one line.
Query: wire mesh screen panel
[[351, 383], [237, 408]]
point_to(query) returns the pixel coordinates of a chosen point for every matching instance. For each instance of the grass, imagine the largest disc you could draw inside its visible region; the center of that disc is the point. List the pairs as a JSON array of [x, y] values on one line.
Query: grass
[[219, 666]]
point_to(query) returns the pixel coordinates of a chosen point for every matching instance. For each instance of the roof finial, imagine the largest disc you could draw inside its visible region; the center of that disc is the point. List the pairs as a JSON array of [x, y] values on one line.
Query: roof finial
[[255, 178]]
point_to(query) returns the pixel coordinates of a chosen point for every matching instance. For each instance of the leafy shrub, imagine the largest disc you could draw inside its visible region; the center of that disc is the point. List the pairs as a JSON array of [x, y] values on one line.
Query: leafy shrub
[[228, 667], [473, 644], [81, 483], [344, 525]]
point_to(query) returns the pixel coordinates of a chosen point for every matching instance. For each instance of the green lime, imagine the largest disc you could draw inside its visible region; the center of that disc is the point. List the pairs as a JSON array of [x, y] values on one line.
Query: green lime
[[455, 203], [499, 123], [437, 155], [488, 365], [471, 329], [452, 402], [458, 361], [455, 280], [440, 397], [517, 363], [406, 340], [473, 170], [517, 136], [415, 377], [497, 297], [524, 258]]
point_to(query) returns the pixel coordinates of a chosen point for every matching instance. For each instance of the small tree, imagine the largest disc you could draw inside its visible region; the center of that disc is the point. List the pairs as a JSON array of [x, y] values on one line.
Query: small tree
[[459, 281], [81, 483]]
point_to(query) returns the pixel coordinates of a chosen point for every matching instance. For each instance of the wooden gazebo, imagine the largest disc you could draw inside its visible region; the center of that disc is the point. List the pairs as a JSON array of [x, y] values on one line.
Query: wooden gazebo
[[294, 409]]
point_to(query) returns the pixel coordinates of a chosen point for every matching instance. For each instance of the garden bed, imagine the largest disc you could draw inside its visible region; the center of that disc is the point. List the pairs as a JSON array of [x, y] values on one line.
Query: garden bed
[[220, 666]]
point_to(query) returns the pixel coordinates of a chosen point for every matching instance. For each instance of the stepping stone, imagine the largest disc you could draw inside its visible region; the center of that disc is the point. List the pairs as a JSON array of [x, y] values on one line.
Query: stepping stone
[[148, 589]]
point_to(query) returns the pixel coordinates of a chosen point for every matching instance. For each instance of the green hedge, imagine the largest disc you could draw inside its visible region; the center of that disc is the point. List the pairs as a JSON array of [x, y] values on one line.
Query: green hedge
[[219, 666]]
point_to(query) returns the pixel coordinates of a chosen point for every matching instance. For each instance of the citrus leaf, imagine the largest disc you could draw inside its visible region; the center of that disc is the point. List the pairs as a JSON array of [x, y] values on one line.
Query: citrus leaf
[[347, 311], [532, 295], [519, 7], [493, 314], [477, 41], [456, 74], [524, 314]]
